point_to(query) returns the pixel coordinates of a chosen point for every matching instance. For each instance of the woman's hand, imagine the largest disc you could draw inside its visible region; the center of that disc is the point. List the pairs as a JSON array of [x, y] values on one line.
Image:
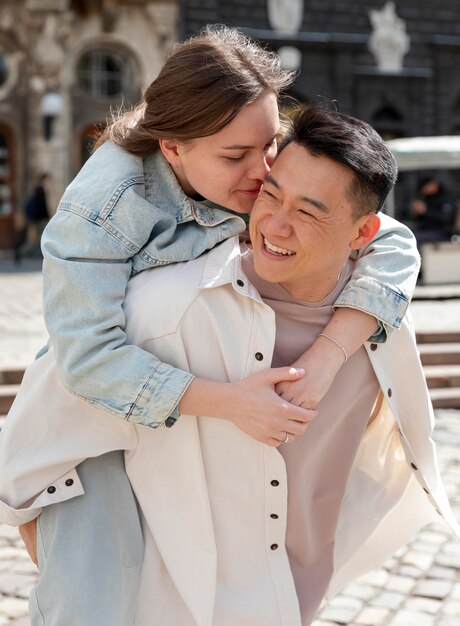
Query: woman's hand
[[28, 532], [350, 328], [252, 404], [321, 364]]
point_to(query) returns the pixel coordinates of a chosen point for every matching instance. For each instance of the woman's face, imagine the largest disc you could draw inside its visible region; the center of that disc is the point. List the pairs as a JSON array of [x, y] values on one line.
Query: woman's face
[[230, 166]]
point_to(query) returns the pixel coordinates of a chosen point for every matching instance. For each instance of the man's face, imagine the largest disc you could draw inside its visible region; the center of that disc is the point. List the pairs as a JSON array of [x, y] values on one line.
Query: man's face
[[301, 226]]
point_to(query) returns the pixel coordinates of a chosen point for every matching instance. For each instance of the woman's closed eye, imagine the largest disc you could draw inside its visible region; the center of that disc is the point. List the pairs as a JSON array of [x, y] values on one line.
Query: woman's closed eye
[[236, 158]]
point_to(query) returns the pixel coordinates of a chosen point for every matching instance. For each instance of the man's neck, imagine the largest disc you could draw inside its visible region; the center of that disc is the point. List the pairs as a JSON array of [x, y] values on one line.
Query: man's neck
[[316, 292]]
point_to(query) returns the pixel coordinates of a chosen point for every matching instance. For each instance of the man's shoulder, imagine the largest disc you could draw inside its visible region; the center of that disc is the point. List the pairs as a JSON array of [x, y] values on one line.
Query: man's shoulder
[[157, 299]]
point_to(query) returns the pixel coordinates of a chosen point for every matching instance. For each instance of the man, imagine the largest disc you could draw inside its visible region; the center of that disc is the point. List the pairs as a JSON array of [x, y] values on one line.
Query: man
[[235, 531]]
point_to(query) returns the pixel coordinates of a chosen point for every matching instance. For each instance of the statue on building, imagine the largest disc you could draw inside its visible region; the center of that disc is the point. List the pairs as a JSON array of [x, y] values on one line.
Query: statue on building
[[389, 41], [285, 16]]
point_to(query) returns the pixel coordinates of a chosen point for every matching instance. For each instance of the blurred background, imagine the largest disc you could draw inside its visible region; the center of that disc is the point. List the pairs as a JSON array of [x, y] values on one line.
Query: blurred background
[[65, 64]]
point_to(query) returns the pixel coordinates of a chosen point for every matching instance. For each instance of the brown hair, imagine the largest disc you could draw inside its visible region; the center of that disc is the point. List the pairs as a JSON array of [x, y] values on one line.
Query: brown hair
[[203, 85]]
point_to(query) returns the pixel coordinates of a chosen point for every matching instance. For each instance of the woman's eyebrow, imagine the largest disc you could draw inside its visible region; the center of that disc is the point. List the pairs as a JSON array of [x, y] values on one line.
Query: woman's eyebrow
[[237, 147]]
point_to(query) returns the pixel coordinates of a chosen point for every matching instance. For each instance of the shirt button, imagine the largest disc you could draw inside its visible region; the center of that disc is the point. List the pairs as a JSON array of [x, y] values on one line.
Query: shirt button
[[259, 356], [413, 466], [240, 283], [274, 516], [274, 483], [373, 347], [51, 489], [426, 490], [390, 393], [69, 482], [274, 546]]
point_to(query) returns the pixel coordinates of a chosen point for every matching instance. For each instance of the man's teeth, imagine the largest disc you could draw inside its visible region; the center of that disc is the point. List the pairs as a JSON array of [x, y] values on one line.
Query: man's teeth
[[273, 248]]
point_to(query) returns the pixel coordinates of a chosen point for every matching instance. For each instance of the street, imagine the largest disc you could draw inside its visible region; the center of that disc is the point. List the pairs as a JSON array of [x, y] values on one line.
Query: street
[[419, 586]]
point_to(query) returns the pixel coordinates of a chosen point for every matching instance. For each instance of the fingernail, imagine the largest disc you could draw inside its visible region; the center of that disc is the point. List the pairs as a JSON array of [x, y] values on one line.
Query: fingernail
[[298, 371]]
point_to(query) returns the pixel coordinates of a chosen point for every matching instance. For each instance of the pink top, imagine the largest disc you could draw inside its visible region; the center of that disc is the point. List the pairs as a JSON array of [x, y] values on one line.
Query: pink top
[[318, 463]]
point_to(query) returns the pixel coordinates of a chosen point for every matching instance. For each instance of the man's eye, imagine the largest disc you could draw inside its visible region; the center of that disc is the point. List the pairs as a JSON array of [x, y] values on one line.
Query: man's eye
[[304, 213], [267, 193]]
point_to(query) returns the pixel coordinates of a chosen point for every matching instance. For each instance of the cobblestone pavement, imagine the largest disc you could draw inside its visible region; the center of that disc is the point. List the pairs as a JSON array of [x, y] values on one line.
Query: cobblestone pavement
[[419, 586]]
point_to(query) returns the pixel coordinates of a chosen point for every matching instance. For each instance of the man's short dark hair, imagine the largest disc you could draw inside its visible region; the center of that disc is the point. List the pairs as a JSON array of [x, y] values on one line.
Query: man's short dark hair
[[352, 143]]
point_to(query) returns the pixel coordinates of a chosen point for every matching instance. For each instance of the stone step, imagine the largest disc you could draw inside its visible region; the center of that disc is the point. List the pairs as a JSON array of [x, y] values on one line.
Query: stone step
[[438, 376], [445, 398], [440, 353], [438, 337], [11, 376], [437, 292], [7, 395]]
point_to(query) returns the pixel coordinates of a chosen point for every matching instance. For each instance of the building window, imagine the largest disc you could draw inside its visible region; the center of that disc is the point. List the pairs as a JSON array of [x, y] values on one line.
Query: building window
[[6, 205], [389, 122], [102, 74], [3, 70]]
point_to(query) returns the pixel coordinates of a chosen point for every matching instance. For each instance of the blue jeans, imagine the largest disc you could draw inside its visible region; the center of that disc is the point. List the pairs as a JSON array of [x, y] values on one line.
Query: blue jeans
[[90, 552]]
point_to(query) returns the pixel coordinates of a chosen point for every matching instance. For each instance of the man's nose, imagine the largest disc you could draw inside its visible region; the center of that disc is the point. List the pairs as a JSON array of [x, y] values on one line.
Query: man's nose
[[277, 224]]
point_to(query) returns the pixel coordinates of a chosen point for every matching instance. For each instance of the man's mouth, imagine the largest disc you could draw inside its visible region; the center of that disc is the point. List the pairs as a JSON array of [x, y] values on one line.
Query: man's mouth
[[276, 249]]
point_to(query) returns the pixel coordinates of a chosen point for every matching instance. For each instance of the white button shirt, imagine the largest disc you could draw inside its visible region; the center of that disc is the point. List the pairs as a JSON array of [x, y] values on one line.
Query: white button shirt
[[205, 488]]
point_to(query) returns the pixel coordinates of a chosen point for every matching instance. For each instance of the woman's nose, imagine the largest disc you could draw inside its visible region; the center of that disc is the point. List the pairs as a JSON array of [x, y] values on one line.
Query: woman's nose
[[261, 168]]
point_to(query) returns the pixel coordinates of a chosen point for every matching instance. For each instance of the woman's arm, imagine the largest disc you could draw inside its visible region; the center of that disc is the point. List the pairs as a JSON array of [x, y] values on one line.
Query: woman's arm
[[251, 404], [348, 327], [85, 274], [384, 279]]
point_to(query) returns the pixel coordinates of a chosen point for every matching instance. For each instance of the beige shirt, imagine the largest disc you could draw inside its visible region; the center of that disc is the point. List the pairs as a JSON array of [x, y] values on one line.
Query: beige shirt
[[319, 463]]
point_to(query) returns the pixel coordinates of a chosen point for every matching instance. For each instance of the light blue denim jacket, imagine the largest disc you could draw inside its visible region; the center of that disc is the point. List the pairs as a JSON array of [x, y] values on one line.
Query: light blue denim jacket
[[123, 214]]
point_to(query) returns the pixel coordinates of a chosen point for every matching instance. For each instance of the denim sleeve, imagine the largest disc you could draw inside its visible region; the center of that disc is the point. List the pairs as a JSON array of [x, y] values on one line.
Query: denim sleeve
[[85, 273], [384, 279]]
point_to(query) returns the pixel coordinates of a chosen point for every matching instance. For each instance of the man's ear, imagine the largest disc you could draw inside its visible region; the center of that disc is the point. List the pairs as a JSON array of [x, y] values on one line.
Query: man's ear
[[171, 151], [366, 228]]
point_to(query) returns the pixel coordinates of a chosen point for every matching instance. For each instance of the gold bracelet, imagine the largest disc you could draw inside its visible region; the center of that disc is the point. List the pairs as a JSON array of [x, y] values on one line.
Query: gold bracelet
[[339, 345]]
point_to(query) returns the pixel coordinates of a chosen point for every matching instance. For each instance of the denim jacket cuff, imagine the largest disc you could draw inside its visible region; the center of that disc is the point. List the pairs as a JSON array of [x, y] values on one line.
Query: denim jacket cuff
[[159, 399], [387, 306]]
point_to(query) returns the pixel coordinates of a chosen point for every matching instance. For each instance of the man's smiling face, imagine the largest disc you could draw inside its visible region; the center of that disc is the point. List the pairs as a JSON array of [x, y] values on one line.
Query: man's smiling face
[[302, 227]]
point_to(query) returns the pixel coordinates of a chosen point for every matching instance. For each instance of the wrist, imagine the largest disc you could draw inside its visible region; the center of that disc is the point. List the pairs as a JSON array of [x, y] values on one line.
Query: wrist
[[322, 354], [337, 344]]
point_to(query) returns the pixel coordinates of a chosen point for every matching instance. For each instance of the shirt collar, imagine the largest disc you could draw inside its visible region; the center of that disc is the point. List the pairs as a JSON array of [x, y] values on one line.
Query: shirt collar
[[223, 266]]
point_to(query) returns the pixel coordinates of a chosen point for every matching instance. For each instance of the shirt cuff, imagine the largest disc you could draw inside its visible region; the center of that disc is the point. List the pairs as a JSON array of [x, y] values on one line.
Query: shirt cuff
[[163, 390], [67, 487], [387, 306]]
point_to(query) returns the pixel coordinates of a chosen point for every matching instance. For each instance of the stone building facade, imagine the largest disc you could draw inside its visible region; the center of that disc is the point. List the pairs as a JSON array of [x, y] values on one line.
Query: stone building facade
[[345, 54], [64, 64], [334, 38]]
